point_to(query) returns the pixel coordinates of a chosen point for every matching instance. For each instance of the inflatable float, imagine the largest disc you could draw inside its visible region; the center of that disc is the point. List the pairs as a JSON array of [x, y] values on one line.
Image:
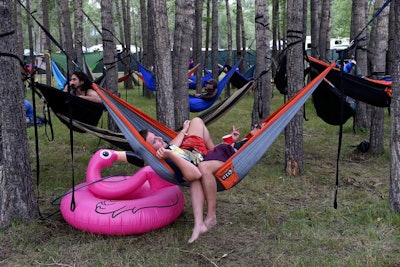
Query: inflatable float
[[121, 205]]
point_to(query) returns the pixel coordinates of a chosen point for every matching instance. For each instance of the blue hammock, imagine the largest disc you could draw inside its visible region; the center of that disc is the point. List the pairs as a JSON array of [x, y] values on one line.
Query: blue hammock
[[197, 104], [58, 76]]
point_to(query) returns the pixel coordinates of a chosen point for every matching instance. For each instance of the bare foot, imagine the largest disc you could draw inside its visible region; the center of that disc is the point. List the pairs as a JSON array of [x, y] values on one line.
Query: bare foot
[[197, 231], [210, 223]]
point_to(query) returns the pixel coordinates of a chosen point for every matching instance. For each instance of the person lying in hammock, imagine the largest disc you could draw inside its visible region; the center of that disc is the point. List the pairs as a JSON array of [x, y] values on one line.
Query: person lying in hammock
[[80, 85], [210, 90], [195, 154]]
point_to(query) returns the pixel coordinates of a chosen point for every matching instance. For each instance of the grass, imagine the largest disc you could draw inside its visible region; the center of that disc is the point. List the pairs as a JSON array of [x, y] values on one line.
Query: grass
[[269, 219]]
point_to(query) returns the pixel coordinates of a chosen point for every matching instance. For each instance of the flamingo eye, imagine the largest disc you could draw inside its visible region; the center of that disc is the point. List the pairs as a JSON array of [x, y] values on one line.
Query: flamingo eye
[[105, 154]]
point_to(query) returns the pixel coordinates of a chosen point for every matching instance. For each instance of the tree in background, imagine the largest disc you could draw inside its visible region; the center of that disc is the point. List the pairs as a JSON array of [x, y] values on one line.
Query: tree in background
[[109, 57], [324, 30], [359, 18], [66, 33], [162, 51], [78, 32], [262, 73], [197, 41], [315, 25], [126, 54], [377, 49], [17, 198], [295, 74], [394, 191], [214, 40], [184, 24]]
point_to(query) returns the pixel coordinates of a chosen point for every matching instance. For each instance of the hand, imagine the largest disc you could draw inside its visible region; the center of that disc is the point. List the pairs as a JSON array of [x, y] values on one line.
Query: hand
[[186, 125], [235, 133], [163, 153]]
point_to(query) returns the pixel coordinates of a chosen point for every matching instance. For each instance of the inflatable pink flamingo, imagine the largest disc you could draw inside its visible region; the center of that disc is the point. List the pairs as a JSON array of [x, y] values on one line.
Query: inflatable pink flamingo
[[121, 205]]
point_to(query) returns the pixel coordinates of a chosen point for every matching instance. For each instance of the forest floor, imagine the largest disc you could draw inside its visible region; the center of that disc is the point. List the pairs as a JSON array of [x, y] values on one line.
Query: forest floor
[[269, 219]]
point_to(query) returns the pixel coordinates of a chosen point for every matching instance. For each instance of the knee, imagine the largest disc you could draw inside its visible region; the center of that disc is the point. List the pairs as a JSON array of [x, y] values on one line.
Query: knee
[[197, 120]]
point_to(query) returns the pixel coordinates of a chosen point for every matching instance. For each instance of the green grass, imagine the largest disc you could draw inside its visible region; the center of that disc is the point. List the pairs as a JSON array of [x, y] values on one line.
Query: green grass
[[269, 219]]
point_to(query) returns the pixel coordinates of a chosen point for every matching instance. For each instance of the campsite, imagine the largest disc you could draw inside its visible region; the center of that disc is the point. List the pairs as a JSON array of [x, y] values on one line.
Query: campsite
[[268, 219], [111, 161]]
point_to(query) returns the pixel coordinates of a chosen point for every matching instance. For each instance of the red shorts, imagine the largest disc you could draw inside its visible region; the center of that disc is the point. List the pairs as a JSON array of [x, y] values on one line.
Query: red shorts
[[194, 142]]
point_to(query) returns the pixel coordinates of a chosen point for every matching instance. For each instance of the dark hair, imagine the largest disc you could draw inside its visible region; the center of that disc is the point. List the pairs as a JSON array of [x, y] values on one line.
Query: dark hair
[[87, 83], [143, 133], [213, 82]]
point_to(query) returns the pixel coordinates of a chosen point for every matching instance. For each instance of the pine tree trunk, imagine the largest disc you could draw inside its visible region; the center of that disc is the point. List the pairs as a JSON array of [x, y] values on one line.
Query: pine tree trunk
[[197, 42], [358, 22], [126, 55], [78, 37], [111, 68], [394, 191], [162, 48], [377, 56], [17, 201], [324, 38], [316, 6], [295, 72], [184, 24], [214, 40], [66, 33], [262, 87]]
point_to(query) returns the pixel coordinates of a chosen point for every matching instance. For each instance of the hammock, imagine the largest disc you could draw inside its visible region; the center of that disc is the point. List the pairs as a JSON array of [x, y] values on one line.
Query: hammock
[[130, 120], [58, 76], [82, 110], [238, 80], [327, 97], [209, 116], [197, 104], [374, 92], [148, 78]]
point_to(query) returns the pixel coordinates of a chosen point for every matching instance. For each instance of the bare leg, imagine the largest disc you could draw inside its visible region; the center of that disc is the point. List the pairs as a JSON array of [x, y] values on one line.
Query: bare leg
[[197, 127], [209, 185], [197, 198]]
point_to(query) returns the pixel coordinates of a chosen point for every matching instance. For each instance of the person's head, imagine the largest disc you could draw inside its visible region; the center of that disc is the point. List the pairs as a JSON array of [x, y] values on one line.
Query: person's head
[[80, 80], [155, 141], [212, 84]]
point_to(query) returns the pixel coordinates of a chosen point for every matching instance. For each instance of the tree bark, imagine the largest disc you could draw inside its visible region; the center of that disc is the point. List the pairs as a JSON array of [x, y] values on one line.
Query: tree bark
[[358, 21], [47, 44], [109, 59], [324, 30], [315, 25], [214, 40], [377, 56], [17, 201], [78, 17], [197, 42], [394, 191], [295, 74], [126, 55], [184, 24], [262, 73], [162, 47], [66, 33]]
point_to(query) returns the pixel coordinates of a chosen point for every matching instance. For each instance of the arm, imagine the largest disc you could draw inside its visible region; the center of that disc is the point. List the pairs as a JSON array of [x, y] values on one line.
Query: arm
[[91, 95], [209, 95], [189, 171], [179, 138]]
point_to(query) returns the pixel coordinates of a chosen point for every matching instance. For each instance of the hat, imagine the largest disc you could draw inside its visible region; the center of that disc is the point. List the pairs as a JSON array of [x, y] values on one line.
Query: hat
[[213, 82]]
